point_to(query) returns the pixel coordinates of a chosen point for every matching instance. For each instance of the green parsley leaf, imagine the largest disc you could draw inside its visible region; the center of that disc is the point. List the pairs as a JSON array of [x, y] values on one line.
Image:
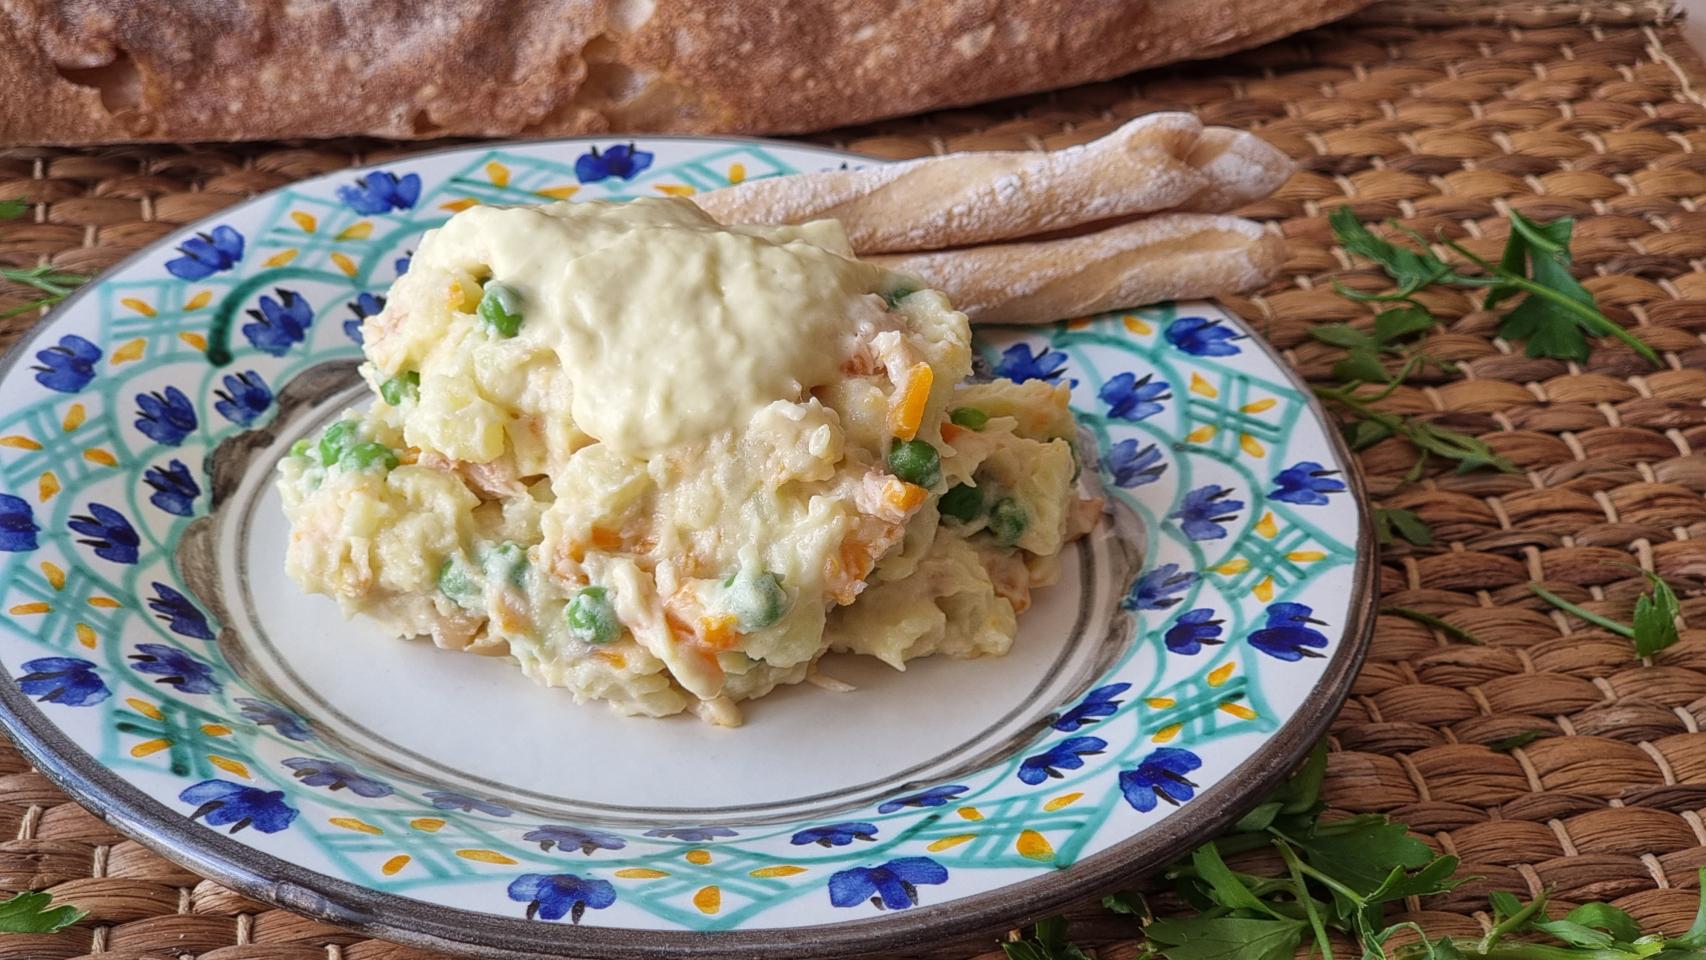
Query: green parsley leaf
[[1222, 884], [1572, 933], [1361, 852], [1604, 916], [1342, 335], [1655, 617], [27, 913], [1410, 269], [1696, 935], [1126, 902], [1393, 326], [1362, 434], [1226, 938], [1361, 363], [13, 209], [1393, 521], [1432, 878], [1047, 942]]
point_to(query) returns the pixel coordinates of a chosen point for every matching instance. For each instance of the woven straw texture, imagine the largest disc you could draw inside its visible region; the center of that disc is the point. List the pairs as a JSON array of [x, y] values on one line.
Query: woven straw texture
[[1440, 113]]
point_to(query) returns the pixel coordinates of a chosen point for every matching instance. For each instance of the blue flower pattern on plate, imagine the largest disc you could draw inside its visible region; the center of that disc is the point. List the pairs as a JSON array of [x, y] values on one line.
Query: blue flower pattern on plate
[[68, 365], [1202, 337], [450, 800], [1128, 466], [623, 161], [265, 714], [1306, 483], [206, 254], [557, 895], [180, 615], [174, 489], [175, 668], [933, 797], [1193, 630], [1068, 754], [892, 886], [223, 802], [1129, 398], [364, 306], [334, 775], [1290, 633], [574, 838], [18, 527], [108, 532], [245, 397], [1156, 589], [835, 834], [1098, 704], [165, 416], [1160, 777], [279, 324], [70, 681], [1019, 364], [381, 192], [1205, 509]]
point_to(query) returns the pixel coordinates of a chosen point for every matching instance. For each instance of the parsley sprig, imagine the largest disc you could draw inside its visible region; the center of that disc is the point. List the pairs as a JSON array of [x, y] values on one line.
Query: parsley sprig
[[1556, 314], [28, 912], [54, 286], [1340, 877], [1653, 628]]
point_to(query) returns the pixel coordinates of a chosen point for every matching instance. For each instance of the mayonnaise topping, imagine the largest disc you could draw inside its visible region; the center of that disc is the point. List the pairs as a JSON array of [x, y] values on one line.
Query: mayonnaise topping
[[668, 326]]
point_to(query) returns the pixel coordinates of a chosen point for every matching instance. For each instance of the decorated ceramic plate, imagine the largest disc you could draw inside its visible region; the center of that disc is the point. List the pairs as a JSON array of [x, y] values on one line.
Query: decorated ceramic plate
[[162, 669]]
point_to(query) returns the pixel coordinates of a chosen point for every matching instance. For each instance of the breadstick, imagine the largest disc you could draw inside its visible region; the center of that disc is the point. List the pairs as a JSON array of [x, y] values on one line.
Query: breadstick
[[1168, 257], [1157, 162]]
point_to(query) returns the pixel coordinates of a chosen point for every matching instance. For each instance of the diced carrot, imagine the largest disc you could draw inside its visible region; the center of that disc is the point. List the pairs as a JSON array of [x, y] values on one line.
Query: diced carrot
[[613, 658], [953, 431], [903, 496], [718, 632], [906, 411], [605, 538]]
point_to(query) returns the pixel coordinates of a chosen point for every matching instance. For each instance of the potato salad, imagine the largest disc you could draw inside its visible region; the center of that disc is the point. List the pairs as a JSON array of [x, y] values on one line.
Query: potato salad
[[669, 464]]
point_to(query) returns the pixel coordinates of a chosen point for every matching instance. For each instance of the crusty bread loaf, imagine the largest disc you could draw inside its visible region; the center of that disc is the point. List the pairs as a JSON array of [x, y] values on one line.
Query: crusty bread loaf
[[91, 71]]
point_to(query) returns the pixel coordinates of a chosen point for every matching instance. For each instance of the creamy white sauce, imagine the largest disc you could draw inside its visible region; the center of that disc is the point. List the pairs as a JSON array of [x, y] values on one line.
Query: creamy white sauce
[[669, 326]]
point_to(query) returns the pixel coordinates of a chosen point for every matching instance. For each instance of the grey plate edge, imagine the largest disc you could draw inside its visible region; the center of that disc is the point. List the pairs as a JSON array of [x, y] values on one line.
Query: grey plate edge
[[264, 877]]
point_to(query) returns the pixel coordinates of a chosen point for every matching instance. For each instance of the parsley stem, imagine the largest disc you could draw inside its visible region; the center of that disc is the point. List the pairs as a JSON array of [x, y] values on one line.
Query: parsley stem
[[1512, 923], [1622, 630], [1591, 318], [1293, 865], [1330, 883], [1428, 619]]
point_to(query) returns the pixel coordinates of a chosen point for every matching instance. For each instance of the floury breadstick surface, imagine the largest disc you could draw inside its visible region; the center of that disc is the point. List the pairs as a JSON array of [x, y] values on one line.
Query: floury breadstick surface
[[1158, 162], [1166, 257]]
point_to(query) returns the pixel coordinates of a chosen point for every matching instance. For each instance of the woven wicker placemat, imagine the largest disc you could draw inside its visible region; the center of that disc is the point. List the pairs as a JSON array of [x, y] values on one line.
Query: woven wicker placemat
[[1440, 113]]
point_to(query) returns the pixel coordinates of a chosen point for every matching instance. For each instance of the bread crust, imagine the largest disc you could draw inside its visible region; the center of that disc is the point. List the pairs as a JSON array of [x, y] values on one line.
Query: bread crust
[[92, 71]]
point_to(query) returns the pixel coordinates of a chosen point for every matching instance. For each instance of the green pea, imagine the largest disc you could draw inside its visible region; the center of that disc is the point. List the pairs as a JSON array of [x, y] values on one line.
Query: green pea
[[506, 561], [364, 455], [1007, 521], [969, 417], [756, 600], [500, 307], [592, 618], [456, 582], [962, 503], [337, 439], [895, 296], [404, 386], [915, 461]]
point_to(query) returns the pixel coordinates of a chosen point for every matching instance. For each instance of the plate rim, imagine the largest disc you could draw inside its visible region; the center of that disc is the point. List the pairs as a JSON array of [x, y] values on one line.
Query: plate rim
[[265, 877]]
